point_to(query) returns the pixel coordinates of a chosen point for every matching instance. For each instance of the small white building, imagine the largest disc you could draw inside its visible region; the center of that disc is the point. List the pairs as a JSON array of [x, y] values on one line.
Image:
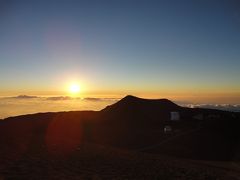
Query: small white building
[[175, 116], [167, 129]]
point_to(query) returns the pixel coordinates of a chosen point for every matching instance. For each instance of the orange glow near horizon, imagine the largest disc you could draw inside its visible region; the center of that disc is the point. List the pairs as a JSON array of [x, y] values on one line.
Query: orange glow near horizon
[[83, 89]]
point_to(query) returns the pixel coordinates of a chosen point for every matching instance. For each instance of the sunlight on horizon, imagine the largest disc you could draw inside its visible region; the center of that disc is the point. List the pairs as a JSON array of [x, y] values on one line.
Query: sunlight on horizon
[[74, 88]]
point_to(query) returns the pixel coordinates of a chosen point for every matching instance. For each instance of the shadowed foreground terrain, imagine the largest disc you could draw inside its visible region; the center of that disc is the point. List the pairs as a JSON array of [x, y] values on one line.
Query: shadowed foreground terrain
[[123, 141]]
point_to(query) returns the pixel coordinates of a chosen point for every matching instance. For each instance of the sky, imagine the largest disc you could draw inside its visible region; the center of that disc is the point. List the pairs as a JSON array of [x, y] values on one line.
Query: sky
[[183, 50]]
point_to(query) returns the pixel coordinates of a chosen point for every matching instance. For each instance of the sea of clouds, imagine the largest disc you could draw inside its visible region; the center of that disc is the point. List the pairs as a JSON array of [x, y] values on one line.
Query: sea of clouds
[[224, 107], [24, 104]]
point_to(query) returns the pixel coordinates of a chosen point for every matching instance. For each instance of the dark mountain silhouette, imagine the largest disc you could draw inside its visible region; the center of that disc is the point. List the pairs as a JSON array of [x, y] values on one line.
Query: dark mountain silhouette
[[131, 123], [137, 123], [138, 111], [138, 104], [128, 122]]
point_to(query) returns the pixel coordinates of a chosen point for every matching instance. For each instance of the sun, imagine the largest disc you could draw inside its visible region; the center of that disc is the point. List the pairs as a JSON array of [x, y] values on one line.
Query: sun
[[74, 88]]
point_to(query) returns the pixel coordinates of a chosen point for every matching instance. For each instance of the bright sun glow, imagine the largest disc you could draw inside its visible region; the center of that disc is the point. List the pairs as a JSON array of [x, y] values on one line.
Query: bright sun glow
[[74, 88]]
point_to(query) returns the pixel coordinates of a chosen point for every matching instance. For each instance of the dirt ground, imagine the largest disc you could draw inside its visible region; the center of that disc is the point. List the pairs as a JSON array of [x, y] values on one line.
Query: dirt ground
[[91, 161]]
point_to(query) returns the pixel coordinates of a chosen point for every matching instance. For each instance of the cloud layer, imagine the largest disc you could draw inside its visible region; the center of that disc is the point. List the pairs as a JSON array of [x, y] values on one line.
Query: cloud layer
[[24, 104], [224, 107]]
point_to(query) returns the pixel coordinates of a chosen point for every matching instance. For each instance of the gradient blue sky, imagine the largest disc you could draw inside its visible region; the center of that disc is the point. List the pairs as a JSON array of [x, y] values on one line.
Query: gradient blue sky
[[180, 49]]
